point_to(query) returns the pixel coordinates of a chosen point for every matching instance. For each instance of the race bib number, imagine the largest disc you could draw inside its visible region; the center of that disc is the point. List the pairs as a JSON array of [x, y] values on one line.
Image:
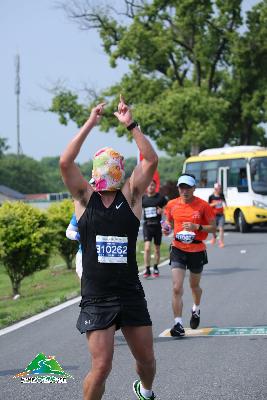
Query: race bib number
[[219, 204], [150, 212], [111, 249], [185, 236]]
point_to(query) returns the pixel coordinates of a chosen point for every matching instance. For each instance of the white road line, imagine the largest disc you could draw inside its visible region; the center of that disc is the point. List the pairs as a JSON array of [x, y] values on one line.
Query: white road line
[[50, 311], [39, 316]]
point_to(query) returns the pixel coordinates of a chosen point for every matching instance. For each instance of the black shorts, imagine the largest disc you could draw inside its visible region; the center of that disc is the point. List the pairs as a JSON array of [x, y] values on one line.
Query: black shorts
[[152, 231], [188, 260], [102, 314]]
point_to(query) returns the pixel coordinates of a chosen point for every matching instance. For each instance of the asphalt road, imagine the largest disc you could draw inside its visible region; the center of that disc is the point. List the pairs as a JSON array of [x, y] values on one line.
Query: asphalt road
[[192, 368]]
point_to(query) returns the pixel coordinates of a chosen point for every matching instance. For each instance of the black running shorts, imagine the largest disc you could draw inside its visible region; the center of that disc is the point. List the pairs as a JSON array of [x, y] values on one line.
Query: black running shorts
[[188, 260], [102, 314], [152, 232]]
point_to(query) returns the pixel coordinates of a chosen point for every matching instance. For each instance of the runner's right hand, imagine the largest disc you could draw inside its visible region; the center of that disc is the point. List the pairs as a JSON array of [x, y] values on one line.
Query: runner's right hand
[[166, 228]]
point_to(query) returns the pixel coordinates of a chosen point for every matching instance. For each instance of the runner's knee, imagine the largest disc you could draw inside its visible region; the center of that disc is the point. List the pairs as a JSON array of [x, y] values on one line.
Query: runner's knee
[[195, 286], [101, 369], [147, 246], [178, 290], [146, 361]]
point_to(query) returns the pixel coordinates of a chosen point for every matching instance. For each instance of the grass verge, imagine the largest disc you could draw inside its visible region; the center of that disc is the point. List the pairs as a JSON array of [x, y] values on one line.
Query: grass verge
[[47, 288]]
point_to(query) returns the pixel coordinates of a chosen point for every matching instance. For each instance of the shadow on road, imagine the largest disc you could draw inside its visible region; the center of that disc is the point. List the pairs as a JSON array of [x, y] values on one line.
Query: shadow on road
[[226, 271]]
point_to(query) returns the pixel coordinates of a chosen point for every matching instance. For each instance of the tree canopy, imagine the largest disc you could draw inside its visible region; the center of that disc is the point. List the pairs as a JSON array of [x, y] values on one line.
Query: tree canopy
[[22, 173], [27, 175], [197, 70]]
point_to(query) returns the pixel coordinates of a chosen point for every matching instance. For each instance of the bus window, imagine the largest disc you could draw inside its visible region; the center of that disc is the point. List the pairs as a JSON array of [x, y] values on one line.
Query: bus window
[[235, 168], [208, 174], [258, 171], [194, 169], [205, 172], [243, 180]]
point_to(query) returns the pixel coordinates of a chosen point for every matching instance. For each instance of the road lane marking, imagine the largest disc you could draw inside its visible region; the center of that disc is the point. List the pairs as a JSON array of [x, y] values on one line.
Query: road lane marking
[[230, 331], [39, 316], [51, 311]]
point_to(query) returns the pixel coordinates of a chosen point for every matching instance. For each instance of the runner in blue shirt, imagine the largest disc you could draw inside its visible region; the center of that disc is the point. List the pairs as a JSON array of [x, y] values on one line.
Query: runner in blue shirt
[[72, 233]]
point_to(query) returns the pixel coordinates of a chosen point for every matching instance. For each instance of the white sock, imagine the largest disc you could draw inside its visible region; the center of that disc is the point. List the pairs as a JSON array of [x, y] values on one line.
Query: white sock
[[178, 319], [195, 308], [145, 392]]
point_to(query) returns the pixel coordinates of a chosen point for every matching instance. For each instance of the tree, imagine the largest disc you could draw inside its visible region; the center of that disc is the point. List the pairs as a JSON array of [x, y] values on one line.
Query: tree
[[51, 174], [22, 173], [25, 241], [86, 169], [59, 215], [170, 169], [195, 78], [247, 90], [3, 146]]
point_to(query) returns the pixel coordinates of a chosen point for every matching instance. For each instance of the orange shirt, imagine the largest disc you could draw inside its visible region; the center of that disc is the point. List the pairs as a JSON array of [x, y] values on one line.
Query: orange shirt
[[197, 212]]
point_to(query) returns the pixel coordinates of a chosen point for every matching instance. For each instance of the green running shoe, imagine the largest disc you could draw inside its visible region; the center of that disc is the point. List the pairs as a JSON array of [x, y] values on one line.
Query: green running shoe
[[137, 392]]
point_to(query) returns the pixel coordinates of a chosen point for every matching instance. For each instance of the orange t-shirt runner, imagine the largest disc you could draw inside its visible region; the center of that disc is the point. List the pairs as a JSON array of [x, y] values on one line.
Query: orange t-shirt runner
[[197, 212]]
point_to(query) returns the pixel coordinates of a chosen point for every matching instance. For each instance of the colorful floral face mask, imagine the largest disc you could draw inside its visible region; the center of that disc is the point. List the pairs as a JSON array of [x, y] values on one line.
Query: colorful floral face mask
[[108, 170]]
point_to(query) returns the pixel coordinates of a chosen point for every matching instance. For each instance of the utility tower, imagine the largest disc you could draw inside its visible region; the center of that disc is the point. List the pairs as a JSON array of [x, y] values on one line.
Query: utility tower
[[17, 93]]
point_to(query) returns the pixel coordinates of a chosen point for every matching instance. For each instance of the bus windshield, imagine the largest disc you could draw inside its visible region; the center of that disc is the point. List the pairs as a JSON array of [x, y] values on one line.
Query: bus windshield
[[258, 170]]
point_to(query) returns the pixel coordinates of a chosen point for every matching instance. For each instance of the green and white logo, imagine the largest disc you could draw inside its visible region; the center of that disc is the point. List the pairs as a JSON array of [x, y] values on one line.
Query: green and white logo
[[43, 369]]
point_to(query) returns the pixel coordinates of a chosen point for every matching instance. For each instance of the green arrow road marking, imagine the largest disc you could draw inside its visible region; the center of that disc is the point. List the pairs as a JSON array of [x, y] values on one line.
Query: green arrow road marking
[[233, 331]]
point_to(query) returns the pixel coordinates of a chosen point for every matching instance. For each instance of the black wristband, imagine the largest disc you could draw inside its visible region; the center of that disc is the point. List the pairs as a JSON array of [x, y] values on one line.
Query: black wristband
[[133, 125], [200, 228]]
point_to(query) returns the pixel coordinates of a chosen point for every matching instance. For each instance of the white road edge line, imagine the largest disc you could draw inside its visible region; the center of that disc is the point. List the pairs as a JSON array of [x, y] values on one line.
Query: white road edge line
[[50, 311], [39, 316]]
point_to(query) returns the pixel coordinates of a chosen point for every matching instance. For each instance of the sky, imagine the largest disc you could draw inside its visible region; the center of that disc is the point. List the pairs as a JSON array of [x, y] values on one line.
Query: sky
[[52, 48]]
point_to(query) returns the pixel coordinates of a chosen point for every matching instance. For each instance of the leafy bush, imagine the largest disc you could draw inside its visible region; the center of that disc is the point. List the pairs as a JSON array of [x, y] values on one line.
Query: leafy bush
[[25, 241], [59, 215]]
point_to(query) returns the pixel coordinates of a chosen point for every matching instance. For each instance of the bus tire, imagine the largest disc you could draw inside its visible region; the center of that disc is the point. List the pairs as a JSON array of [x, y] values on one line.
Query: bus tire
[[241, 224]]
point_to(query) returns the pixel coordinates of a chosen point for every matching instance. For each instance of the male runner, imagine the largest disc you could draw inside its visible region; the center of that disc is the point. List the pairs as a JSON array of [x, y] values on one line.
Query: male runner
[[153, 204], [217, 202], [108, 219], [192, 218]]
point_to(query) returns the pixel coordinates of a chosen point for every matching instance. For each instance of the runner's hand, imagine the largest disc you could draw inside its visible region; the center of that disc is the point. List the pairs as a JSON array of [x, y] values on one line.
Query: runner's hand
[[189, 226], [166, 228], [123, 114], [96, 113]]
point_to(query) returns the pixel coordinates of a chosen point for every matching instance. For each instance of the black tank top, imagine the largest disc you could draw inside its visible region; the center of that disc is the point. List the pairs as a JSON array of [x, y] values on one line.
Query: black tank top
[[107, 235]]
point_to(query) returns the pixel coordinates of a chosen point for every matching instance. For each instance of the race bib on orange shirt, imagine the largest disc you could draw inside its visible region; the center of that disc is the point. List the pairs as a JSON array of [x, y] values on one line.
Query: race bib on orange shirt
[[185, 236]]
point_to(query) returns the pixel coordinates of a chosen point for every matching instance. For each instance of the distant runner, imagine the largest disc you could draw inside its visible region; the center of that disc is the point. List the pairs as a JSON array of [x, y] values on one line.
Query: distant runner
[[72, 233], [192, 218], [153, 204], [217, 202]]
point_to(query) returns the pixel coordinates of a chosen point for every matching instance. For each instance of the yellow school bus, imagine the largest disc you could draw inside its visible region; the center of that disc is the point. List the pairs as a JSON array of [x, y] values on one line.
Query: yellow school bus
[[242, 173]]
